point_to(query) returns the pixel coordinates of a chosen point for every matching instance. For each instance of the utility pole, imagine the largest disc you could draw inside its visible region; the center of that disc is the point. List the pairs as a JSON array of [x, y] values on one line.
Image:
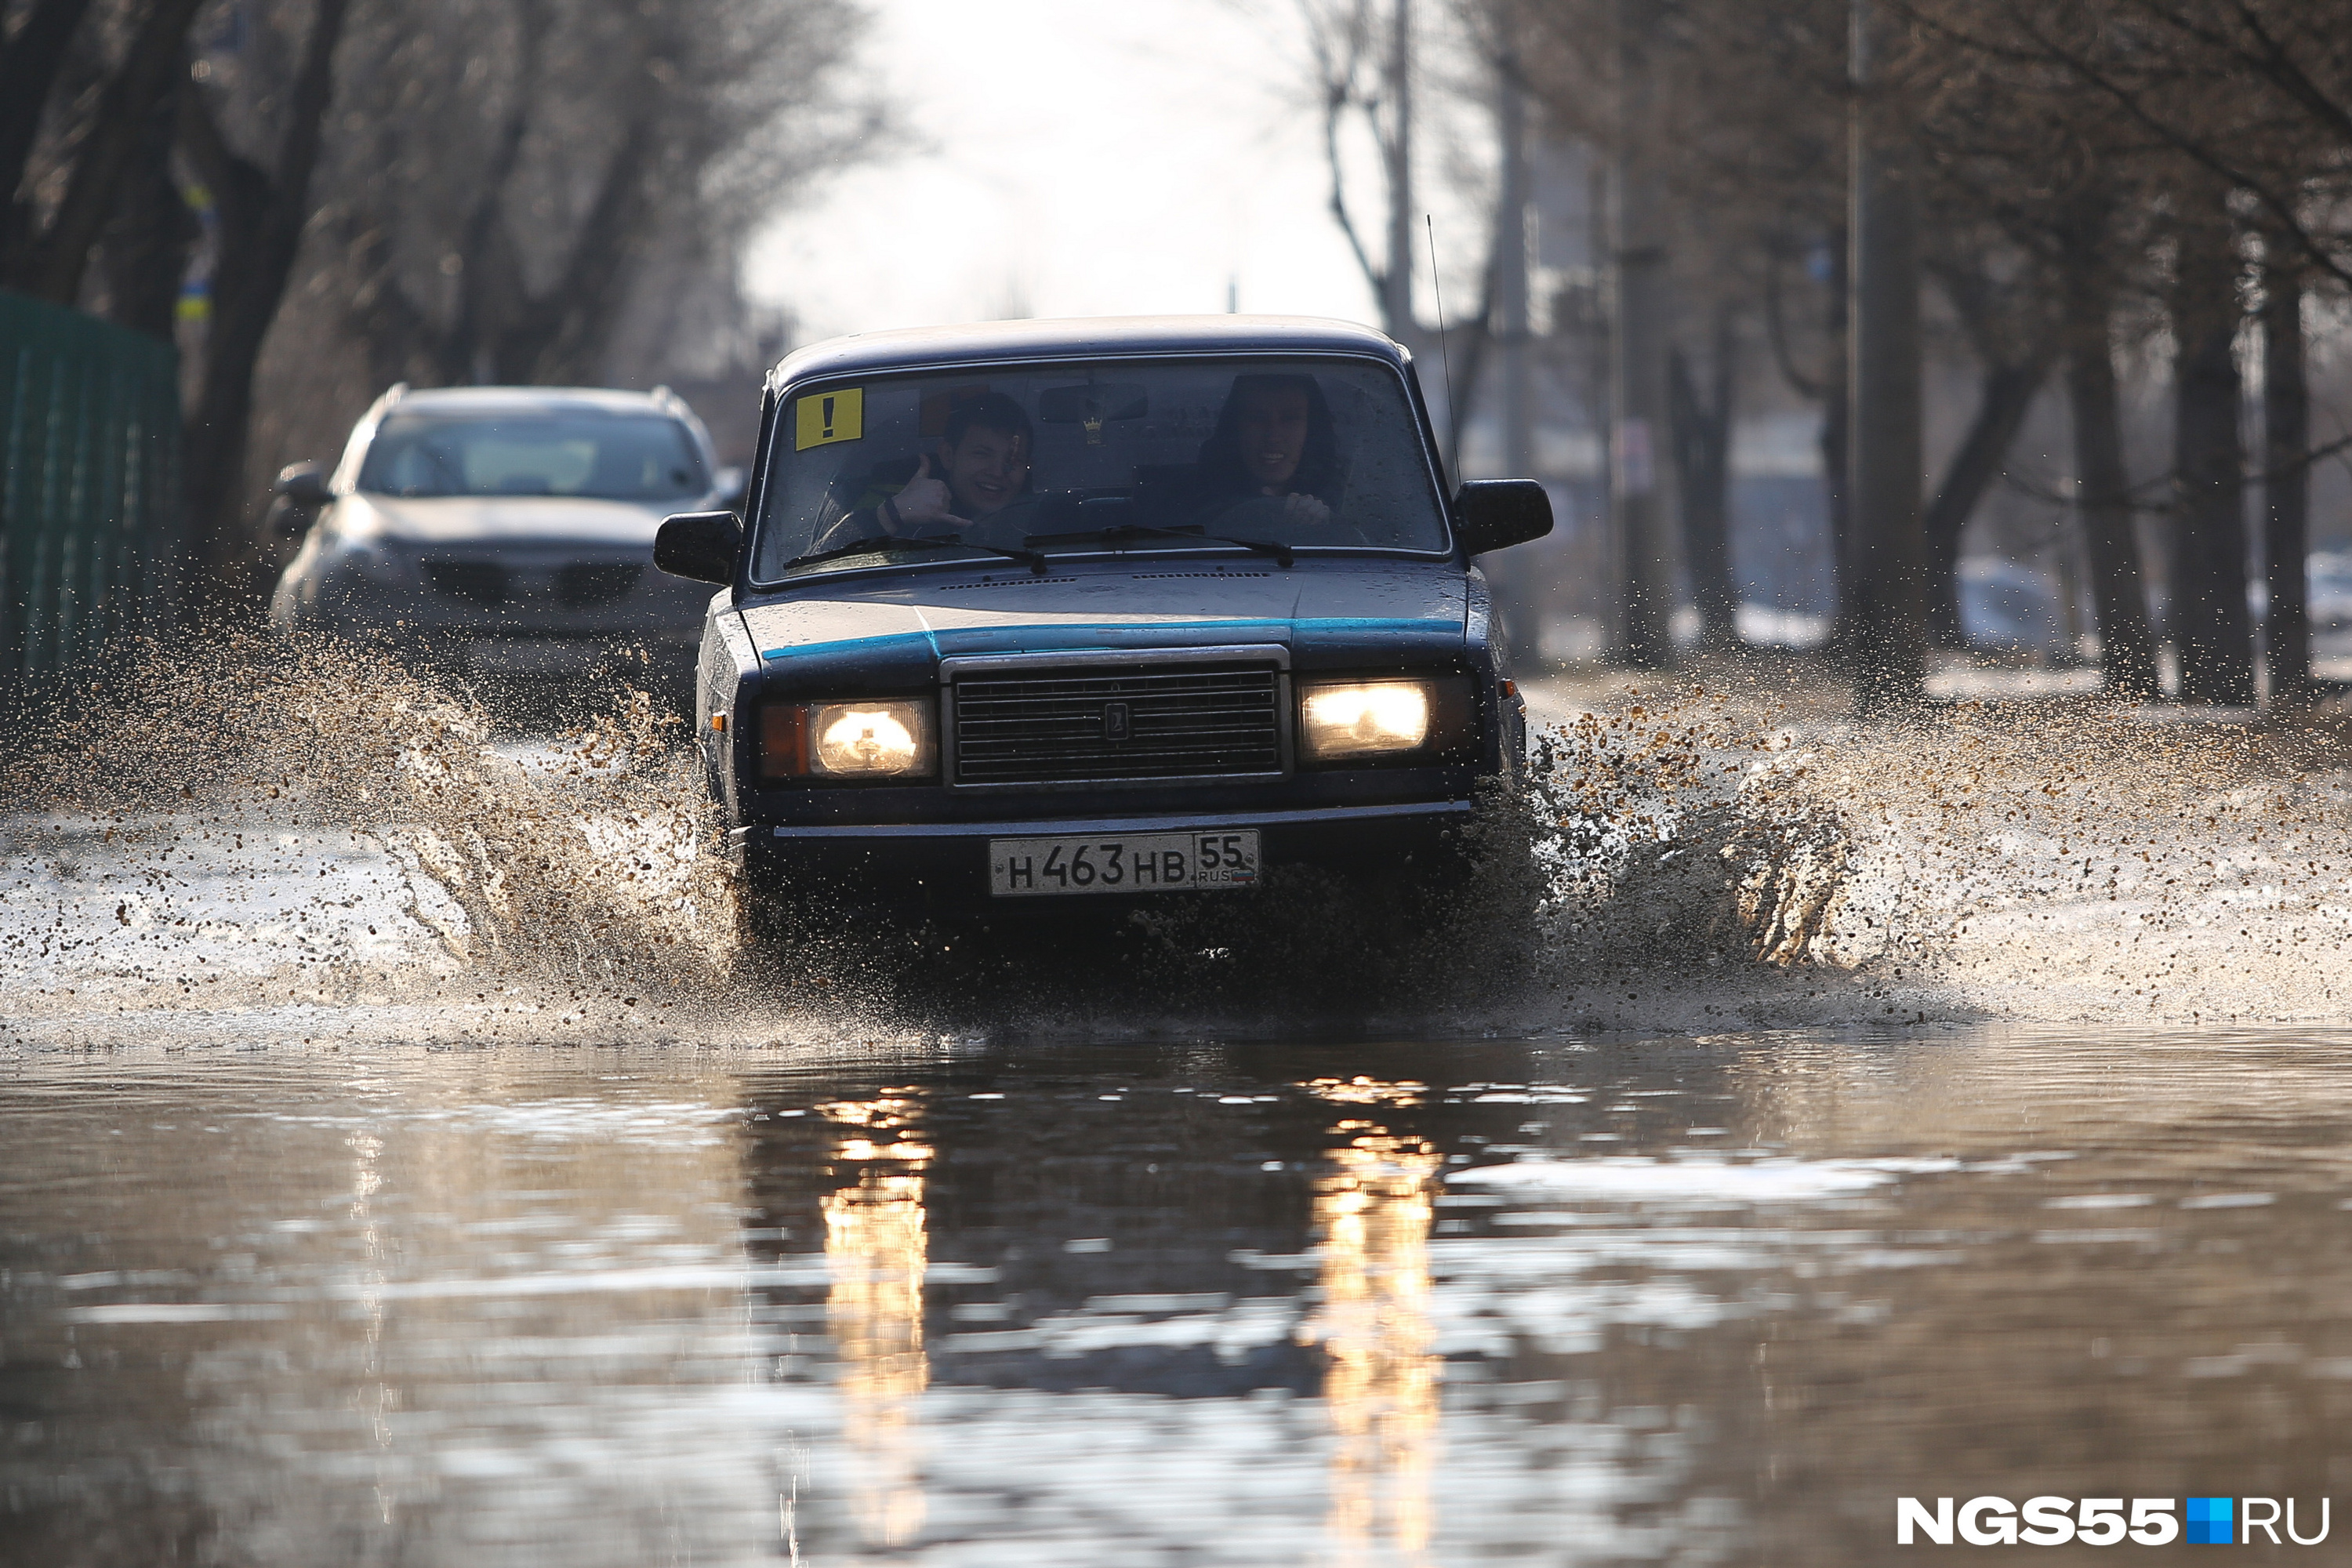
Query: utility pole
[[1886, 554], [1638, 508], [1510, 309], [1396, 302]]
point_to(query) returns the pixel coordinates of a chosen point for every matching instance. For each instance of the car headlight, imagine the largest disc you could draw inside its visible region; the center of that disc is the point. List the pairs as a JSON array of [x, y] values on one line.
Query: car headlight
[[1358, 719], [846, 740], [1414, 721]]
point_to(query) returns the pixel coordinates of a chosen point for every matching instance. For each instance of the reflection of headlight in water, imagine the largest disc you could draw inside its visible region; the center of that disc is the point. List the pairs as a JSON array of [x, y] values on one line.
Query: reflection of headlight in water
[[1373, 1211], [1362, 717], [877, 1249]]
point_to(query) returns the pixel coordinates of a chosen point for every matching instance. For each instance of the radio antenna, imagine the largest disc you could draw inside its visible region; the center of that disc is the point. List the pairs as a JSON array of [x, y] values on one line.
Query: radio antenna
[[1452, 419]]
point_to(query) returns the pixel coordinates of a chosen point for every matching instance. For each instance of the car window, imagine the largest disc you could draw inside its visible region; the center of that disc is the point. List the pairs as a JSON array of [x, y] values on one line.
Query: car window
[[612, 457], [1304, 454]]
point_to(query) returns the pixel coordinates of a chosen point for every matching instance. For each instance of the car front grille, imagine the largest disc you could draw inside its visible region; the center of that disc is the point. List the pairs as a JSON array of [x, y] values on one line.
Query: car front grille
[[499, 584], [1168, 723], [483, 582]]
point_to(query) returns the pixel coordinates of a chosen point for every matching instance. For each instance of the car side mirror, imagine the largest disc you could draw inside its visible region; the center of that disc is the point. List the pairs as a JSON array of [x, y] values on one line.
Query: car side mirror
[[1495, 514], [304, 484], [700, 546]]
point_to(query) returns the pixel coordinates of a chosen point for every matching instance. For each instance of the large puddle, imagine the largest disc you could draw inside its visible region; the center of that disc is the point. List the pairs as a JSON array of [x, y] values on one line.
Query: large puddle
[[401, 1163], [1674, 1301]]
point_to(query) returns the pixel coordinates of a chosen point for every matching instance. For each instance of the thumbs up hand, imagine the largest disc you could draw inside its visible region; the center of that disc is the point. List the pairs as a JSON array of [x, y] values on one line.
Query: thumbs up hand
[[925, 501]]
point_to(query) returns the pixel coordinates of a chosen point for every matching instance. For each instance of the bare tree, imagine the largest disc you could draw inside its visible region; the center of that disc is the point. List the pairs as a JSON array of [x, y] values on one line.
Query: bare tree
[[46, 247], [1702, 447], [264, 209], [2238, 107], [2014, 148], [504, 224], [1359, 50], [2209, 623], [2014, 356], [2242, 89], [2102, 482], [32, 62]]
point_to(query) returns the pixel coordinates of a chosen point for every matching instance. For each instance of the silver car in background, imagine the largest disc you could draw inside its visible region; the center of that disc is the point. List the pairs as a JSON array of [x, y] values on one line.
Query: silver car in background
[[504, 531]]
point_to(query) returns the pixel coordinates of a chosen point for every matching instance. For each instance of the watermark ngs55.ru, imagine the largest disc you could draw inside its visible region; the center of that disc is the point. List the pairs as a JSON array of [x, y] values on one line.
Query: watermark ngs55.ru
[[2107, 1521]]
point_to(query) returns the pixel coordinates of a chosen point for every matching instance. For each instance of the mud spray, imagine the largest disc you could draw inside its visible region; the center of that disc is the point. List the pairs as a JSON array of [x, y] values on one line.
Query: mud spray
[[257, 840]]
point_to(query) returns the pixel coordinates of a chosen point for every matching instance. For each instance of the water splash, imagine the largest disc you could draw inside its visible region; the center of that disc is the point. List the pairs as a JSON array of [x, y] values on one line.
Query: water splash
[[2051, 861], [265, 821], [252, 824]]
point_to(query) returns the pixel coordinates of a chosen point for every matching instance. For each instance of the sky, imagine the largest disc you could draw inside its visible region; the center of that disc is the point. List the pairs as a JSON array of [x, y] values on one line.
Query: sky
[[1070, 158]]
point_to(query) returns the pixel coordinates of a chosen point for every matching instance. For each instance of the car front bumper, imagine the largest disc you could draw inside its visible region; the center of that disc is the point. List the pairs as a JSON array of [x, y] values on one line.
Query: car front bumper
[[947, 862]]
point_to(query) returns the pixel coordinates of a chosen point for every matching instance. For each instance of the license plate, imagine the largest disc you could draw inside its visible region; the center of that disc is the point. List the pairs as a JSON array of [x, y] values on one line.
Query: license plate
[[1122, 863]]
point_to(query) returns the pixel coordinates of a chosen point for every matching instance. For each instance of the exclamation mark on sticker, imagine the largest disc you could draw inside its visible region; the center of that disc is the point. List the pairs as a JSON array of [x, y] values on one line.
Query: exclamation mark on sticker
[[828, 418]]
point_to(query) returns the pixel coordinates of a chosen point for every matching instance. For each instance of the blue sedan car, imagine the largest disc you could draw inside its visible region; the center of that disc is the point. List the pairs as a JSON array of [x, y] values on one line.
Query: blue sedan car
[[1118, 609]]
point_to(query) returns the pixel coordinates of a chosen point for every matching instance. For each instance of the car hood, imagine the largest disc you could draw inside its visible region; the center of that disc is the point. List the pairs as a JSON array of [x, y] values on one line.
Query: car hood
[[500, 520], [1326, 612]]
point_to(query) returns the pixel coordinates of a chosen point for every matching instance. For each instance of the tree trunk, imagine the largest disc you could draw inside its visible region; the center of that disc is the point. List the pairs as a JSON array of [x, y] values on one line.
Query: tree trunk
[[1884, 597], [2103, 492], [28, 68], [1396, 279], [1837, 437], [1829, 389], [149, 74], [261, 221], [1638, 234], [1702, 435], [2286, 481], [2212, 632], [144, 254], [2008, 393], [491, 288], [559, 338]]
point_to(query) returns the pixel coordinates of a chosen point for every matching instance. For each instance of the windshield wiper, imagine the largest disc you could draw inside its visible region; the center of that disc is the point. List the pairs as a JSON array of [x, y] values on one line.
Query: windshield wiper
[[1120, 530], [1029, 558]]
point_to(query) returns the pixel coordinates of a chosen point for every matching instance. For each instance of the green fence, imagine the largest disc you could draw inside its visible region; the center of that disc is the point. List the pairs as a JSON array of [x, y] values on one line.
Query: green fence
[[90, 530]]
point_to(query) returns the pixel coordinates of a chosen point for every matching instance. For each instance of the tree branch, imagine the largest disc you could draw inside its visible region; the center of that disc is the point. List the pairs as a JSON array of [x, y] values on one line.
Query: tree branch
[[61, 256]]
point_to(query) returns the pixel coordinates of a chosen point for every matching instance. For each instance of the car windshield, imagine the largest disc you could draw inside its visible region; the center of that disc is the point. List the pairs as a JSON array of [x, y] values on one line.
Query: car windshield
[[1283, 457], [613, 457]]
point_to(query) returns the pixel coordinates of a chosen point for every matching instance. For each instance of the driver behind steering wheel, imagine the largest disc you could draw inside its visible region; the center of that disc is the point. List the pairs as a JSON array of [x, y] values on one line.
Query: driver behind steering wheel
[[1276, 451]]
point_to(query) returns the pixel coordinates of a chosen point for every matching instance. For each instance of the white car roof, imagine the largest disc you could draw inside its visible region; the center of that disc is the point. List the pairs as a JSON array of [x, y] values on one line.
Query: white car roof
[[489, 401]]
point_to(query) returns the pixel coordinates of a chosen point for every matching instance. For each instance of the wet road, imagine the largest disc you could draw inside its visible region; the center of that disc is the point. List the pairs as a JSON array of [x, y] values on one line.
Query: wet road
[[1679, 1301], [400, 1164]]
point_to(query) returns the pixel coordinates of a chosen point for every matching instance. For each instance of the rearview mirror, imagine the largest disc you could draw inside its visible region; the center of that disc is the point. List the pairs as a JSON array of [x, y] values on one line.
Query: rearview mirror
[[700, 546], [1495, 514], [1093, 403], [304, 484]]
